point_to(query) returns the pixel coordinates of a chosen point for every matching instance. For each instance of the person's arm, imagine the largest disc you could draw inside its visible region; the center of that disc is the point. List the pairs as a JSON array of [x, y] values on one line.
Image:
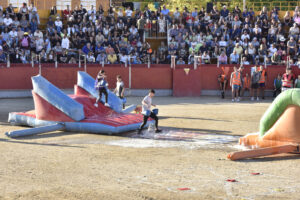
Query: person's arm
[[231, 79]]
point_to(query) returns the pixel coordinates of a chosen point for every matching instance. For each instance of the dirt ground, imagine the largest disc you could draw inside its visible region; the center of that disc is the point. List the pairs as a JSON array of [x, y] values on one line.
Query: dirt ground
[[63, 165]]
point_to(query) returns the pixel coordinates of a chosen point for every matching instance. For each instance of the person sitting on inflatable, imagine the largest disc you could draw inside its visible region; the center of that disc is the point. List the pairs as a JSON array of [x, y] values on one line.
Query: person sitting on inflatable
[[101, 85], [146, 106]]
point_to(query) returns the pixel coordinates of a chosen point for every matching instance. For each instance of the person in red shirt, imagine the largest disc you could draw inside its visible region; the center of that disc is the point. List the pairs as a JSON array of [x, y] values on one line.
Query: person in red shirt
[[288, 80], [189, 20], [66, 13]]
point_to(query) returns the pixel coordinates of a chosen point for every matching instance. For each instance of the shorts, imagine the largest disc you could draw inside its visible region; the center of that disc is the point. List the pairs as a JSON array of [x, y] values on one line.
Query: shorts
[[235, 87], [254, 85], [262, 85], [285, 88]]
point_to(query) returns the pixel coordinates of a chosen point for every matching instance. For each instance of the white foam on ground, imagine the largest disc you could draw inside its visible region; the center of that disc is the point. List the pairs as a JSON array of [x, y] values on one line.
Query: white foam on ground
[[151, 140]]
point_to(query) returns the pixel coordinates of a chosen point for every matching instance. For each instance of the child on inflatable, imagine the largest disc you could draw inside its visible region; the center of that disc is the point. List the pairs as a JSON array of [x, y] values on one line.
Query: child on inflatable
[[120, 89], [101, 85], [146, 111]]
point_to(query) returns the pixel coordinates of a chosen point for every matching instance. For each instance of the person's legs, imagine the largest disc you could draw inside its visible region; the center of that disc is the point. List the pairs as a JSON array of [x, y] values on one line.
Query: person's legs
[[144, 122], [153, 116], [106, 95], [262, 90]]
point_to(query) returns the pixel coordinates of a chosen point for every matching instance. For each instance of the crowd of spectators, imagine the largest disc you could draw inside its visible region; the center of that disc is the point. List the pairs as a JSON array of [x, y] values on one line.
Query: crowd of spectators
[[118, 36]]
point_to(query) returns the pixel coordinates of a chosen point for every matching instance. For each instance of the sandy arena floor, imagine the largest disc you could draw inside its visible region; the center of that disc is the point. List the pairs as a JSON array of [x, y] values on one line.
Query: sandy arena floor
[[64, 165]]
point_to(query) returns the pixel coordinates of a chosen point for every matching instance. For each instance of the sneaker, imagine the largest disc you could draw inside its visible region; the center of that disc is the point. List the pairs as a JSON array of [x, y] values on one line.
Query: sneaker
[[252, 98], [257, 99], [139, 131], [223, 95], [157, 131], [263, 97], [238, 99], [107, 105], [232, 100], [96, 105]]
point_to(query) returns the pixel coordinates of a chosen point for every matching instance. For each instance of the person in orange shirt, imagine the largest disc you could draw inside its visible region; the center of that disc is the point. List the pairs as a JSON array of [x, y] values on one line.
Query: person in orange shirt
[[246, 84], [235, 83], [262, 81], [222, 79]]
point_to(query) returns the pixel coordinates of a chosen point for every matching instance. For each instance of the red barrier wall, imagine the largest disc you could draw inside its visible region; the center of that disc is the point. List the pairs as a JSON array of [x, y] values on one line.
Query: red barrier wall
[[187, 84], [157, 77], [65, 76]]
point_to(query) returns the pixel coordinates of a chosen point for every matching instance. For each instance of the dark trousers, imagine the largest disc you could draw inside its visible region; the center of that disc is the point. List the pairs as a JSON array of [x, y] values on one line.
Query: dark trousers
[[276, 92], [122, 100], [153, 116], [103, 91]]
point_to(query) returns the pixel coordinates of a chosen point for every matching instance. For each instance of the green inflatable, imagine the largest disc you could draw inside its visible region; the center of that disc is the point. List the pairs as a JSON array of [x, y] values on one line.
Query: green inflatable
[[282, 101]]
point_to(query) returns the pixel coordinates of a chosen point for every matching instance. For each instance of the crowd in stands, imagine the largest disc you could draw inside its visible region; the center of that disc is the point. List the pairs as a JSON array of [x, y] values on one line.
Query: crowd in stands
[[118, 36]]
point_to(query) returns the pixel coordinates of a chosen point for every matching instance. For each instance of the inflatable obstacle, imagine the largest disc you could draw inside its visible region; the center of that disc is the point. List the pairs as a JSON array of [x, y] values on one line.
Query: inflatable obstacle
[[85, 86], [279, 128], [55, 110]]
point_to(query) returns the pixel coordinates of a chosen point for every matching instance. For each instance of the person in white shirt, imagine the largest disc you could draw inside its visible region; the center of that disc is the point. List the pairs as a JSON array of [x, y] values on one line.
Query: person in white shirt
[[120, 89], [7, 21], [93, 18], [58, 24], [92, 10], [38, 33], [272, 50], [13, 33], [123, 58], [146, 111], [245, 35], [65, 42], [39, 44], [128, 12]]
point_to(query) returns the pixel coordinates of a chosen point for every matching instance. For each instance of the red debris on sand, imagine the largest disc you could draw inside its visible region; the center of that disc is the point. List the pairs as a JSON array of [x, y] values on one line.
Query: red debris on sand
[[183, 189], [255, 173], [231, 180]]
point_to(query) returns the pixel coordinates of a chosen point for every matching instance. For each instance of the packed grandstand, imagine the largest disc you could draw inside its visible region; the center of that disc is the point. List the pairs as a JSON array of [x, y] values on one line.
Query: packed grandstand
[[118, 36]]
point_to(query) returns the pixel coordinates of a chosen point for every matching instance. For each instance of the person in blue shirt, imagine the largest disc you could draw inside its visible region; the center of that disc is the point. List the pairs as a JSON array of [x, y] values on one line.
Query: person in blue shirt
[[87, 49], [101, 85], [224, 12], [234, 58], [2, 56]]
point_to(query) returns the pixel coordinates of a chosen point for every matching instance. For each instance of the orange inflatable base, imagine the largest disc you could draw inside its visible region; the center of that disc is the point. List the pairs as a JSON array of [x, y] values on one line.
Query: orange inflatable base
[[286, 130], [283, 137], [263, 152]]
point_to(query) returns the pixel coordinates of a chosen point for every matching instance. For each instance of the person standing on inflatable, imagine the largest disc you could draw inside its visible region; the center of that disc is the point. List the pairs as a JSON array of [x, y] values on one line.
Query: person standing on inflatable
[[101, 85], [146, 111], [287, 79], [262, 81], [120, 89], [235, 83]]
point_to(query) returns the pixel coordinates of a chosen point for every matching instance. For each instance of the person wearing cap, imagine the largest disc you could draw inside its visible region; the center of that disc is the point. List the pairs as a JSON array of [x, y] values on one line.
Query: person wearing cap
[[146, 111], [224, 12], [101, 85], [58, 24], [288, 79]]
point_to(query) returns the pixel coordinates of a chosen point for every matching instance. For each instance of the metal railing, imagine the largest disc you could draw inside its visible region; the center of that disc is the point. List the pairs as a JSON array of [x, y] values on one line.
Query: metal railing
[[288, 5]]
